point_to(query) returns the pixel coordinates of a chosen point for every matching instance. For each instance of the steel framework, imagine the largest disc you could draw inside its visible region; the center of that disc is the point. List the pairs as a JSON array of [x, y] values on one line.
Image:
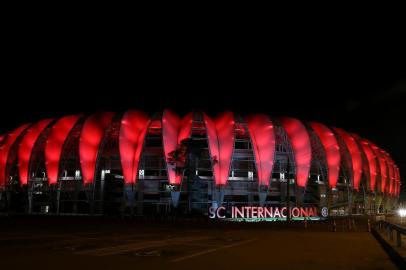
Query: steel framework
[[185, 165]]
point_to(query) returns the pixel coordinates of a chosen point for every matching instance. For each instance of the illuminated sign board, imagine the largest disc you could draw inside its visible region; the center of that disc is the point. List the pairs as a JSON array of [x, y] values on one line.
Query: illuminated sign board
[[259, 213]]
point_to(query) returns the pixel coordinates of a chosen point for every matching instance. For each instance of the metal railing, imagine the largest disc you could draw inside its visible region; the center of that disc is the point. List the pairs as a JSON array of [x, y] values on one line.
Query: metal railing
[[390, 229]]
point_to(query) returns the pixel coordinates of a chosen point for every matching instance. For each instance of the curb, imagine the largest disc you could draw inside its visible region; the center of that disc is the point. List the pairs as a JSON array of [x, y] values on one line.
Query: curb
[[394, 256]]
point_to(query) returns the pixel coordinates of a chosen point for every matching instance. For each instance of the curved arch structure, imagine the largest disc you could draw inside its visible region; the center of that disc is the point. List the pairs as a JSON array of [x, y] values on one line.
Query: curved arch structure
[[170, 129], [300, 142], [393, 178], [26, 146], [382, 166], [110, 151], [355, 154], [391, 174], [185, 129], [90, 138], [262, 135], [133, 129], [53, 149], [371, 162], [8, 142], [220, 135], [331, 149], [174, 131], [399, 182], [388, 171]]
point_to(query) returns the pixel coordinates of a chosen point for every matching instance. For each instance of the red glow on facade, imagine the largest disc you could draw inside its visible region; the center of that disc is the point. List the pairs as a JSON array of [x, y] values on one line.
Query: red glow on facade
[[399, 181], [331, 149], [23, 151], [262, 135], [185, 129], [55, 141], [26, 146], [90, 138], [300, 141], [133, 129], [7, 143], [382, 166], [393, 182], [371, 161], [174, 130], [391, 174], [355, 154], [220, 135], [170, 129]]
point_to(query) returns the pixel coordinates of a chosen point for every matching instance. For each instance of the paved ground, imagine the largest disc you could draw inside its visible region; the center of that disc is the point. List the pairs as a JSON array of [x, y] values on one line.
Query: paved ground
[[384, 234], [99, 244]]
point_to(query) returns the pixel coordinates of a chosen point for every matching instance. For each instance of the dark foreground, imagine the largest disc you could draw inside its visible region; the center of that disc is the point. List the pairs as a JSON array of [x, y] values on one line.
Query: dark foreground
[[68, 243]]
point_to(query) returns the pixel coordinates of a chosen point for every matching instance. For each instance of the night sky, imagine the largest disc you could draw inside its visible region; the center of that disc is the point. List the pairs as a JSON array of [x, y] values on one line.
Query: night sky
[[359, 85]]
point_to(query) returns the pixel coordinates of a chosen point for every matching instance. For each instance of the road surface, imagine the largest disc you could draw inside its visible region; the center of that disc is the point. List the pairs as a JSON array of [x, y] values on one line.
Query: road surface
[[114, 245]]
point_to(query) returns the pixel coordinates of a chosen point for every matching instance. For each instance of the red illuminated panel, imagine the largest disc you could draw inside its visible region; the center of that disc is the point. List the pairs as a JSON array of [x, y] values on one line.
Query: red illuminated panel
[[300, 141], [355, 153], [7, 143], [399, 183], [170, 129], [331, 149], [393, 179], [396, 180], [382, 166], [388, 171], [262, 135], [55, 141], [371, 161], [174, 130], [398, 193], [26, 146], [90, 138], [220, 135], [185, 129], [133, 129], [391, 173]]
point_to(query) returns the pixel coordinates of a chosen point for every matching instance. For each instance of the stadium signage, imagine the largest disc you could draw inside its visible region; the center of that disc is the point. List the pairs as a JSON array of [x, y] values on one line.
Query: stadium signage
[[259, 213]]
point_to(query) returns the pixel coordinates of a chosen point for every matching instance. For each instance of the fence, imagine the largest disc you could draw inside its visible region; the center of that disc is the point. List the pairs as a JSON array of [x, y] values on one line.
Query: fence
[[390, 230]]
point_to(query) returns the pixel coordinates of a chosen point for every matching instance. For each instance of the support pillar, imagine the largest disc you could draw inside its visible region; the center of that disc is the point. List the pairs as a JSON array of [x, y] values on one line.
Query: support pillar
[[30, 199], [129, 197], [218, 196], [262, 194], [175, 194], [140, 197], [299, 196], [89, 189]]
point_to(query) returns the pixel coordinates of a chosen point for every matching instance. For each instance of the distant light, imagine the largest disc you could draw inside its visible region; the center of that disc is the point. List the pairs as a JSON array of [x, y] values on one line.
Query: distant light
[[402, 212]]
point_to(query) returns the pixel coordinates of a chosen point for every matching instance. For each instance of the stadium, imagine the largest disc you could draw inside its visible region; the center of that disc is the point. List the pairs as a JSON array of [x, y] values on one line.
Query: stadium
[[136, 164]]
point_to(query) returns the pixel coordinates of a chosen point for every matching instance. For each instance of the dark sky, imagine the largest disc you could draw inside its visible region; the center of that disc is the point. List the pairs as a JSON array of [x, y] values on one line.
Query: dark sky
[[352, 82]]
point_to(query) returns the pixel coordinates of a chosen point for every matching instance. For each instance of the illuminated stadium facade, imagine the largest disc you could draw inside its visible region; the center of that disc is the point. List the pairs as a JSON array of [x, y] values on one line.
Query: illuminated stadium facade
[[135, 164]]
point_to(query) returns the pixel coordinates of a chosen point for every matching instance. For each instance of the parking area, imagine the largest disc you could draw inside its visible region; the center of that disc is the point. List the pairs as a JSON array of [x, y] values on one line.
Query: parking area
[[73, 244]]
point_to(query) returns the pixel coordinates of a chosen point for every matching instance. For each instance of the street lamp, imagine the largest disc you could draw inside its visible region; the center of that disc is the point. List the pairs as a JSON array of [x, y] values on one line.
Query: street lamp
[[401, 214]]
